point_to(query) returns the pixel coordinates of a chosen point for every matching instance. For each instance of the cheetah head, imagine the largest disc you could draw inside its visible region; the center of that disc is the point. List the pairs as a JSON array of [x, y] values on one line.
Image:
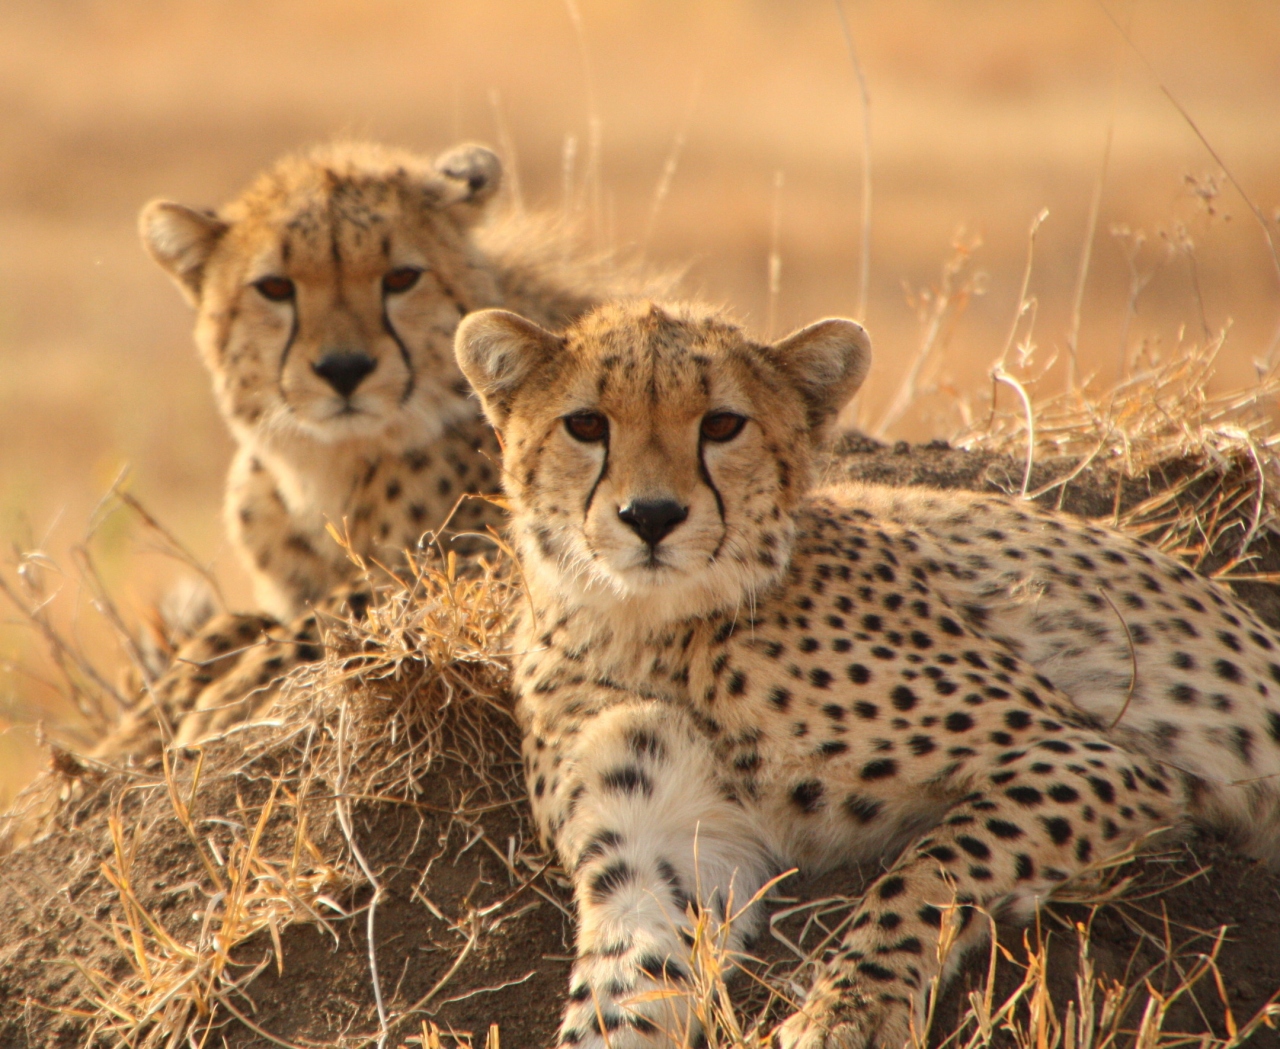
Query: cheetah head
[[327, 294], [656, 454]]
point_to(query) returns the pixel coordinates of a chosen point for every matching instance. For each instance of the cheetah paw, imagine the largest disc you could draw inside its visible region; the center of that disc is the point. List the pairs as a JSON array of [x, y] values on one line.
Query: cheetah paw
[[853, 1022]]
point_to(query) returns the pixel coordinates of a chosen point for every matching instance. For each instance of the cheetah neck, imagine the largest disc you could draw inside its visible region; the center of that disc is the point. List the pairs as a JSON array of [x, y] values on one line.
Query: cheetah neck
[[321, 475], [657, 643]]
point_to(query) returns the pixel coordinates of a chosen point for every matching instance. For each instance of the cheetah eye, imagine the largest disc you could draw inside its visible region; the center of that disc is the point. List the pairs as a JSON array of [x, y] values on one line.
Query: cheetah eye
[[722, 426], [588, 427], [402, 278], [275, 289]]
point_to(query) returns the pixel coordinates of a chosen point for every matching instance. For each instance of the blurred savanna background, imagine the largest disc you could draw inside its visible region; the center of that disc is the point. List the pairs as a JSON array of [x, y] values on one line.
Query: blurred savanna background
[[723, 135]]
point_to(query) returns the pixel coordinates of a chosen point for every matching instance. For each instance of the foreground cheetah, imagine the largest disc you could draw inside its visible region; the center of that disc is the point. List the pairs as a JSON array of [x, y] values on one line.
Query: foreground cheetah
[[726, 674], [327, 295]]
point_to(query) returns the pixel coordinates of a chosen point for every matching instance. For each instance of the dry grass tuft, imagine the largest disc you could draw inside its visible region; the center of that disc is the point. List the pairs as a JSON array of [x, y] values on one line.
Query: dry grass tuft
[[1226, 446]]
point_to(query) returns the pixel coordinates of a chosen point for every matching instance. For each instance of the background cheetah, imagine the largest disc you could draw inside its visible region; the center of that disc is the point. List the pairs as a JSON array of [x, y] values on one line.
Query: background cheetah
[[726, 674], [327, 295]]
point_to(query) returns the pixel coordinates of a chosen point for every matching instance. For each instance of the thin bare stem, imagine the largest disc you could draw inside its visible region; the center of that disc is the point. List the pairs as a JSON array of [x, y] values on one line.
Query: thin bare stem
[[1024, 303], [1000, 375], [511, 160], [774, 271], [864, 259], [592, 175], [663, 188], [1204, 141]]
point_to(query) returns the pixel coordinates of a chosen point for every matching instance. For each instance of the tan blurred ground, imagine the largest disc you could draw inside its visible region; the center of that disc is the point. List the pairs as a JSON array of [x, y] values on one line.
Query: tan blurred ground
[[983, 112]]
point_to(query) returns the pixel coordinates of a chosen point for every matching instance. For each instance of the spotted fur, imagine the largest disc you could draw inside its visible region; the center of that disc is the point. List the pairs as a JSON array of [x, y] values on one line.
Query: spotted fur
[[941, 683]]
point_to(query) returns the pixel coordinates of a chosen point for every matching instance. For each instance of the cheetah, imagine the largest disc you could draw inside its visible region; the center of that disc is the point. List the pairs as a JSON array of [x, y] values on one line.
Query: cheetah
[[327, 295], [728, 672], [326, 299]]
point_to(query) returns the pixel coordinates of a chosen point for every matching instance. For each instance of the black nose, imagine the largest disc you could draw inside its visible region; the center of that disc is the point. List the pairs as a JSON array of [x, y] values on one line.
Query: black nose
[[344, 371], [653, 520]]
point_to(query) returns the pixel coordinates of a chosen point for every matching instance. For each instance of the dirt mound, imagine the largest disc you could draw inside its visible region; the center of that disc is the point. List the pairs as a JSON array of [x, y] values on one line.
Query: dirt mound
[[228, 898]]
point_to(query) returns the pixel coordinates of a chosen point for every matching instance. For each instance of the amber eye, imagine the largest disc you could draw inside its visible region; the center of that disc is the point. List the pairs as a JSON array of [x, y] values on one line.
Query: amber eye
[[402, 278], [275, 289], [722, 426], [588, 427]]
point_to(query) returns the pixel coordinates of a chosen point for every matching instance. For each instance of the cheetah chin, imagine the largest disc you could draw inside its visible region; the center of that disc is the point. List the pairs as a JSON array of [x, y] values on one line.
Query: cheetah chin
[[724, 673]]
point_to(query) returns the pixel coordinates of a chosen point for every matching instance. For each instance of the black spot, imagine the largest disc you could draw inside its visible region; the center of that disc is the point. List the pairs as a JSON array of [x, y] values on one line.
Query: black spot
[[941, 853], [820, 678], [1024, 867], [930, 915], [975, 848], [1061, 792], [662, 968], [644, 743], [1028, 796], [832, 747], [598, 844], [891, 887], [903, 698], [1058, 828], [876, 972], [737, 683], [921, 639], [862, 809], [780, 697], [628, 779], [807, 796], [1102, 789], [1004, 829], [1184, 693], [859, 674], [958, 721], [921, 745], [882, 769], [610, 880], [1227, 670]]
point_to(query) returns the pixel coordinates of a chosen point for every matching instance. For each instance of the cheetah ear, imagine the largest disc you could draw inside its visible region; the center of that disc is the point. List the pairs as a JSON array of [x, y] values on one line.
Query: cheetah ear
[[497, 352], [470, 174], [827, 361], [181, 239]]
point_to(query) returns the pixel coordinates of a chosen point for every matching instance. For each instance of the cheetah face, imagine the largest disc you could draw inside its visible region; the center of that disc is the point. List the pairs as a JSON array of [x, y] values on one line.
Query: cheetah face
[[329, 292], [656, 453]]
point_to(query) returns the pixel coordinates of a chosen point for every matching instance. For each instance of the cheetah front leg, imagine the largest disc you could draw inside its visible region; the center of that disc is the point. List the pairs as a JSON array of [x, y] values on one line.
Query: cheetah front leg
[[1038, 818], [641, 823]]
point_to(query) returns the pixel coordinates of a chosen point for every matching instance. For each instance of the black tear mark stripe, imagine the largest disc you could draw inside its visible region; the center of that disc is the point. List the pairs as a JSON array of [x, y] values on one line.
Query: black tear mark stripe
[[390, 329], [705, 475], [604, 472], [288, 347]]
